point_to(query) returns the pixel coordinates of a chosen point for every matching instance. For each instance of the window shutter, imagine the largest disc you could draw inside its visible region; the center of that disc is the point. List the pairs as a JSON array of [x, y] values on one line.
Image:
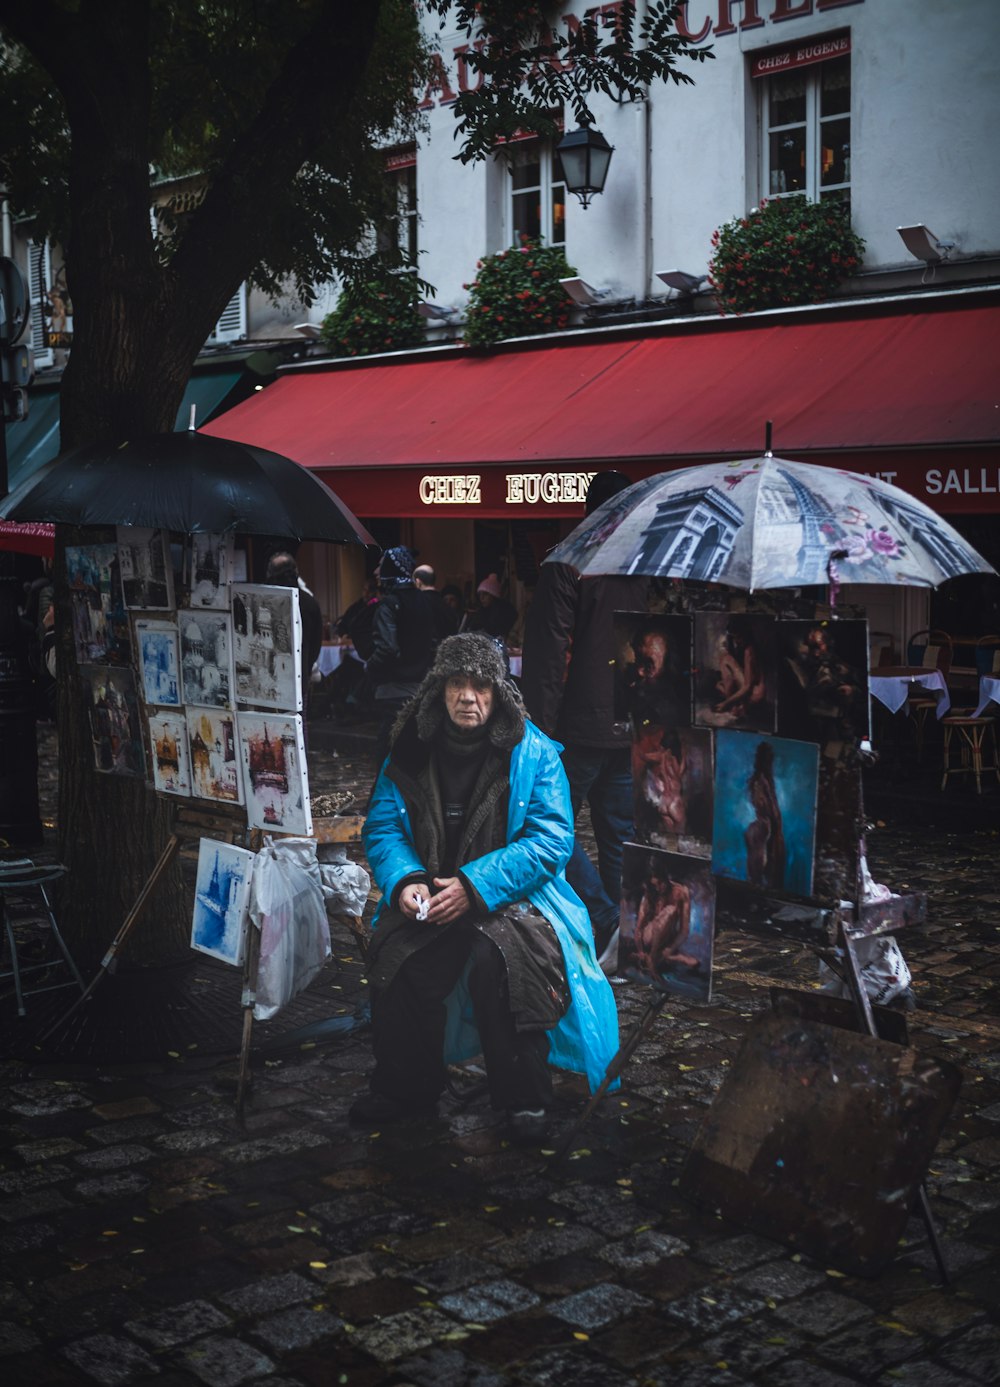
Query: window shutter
[[232, 325], [39, 278]]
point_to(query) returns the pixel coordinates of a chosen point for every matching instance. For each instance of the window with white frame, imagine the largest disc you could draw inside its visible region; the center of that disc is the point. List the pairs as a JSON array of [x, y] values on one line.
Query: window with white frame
[[807, 131], [536, 203], [232, 324], [400, 229]]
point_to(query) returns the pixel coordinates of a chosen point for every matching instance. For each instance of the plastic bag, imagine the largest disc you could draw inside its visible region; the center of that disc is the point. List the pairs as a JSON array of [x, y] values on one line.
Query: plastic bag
[[346, 884], [286, 905], [882, 966]]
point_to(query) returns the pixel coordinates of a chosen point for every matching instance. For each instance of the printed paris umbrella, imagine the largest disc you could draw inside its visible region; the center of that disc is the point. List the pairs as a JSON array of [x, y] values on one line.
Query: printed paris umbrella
[[769, 523], [188, 482]]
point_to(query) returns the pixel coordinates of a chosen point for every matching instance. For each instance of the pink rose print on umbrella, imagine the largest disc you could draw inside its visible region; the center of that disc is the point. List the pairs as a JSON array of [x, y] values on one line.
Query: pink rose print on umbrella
[[883, 543]]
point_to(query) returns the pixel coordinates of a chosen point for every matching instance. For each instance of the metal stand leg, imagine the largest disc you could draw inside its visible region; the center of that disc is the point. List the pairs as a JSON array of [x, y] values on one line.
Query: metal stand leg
[[617, 1064], [14, 965], [61, 943], [860, 994], [249, 1000]]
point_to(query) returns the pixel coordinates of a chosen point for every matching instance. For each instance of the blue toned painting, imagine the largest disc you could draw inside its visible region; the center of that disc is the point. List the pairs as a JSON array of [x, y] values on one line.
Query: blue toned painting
[[158, 662], [221, 901], [764, 829]]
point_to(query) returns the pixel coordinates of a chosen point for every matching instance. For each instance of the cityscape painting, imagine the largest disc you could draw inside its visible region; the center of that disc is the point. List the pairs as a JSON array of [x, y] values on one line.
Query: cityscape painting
[[222, 901], [275, 777], [206, 658], [168, 743], [159, 666], [100, 621], [112, 706], [147, 575], [267, 642], [210, 569], [215, 767]]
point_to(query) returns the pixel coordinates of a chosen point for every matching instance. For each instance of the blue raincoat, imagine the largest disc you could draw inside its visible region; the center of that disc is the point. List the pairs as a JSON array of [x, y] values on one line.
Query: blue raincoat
[[540, 840]]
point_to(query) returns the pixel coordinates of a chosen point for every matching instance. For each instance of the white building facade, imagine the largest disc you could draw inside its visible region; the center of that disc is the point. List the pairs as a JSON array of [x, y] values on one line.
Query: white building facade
[[886, 102]]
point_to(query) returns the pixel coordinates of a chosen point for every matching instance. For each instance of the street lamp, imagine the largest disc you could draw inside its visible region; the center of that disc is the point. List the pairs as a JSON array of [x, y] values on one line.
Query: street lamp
[[585, 155]]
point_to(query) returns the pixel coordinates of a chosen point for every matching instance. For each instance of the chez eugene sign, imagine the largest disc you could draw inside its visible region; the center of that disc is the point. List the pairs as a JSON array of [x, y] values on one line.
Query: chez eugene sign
[[949, 483], [697, 20]]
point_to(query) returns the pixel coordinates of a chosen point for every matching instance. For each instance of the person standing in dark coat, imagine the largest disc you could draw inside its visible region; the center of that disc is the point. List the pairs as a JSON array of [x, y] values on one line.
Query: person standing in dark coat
[[494, 616], [402, 640], [443, 614], [283, 571], [568, 685]]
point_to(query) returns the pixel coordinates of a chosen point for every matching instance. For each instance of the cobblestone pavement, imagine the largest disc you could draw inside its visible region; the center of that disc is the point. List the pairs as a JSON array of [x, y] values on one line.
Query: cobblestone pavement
[[148, 1236]]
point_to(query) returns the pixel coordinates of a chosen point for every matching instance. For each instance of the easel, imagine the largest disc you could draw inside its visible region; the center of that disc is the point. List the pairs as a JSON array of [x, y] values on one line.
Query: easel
[[188, 823], [831, 924]]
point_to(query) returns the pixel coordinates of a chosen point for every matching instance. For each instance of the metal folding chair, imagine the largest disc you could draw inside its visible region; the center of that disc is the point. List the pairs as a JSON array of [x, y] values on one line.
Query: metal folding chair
[[18, 876]]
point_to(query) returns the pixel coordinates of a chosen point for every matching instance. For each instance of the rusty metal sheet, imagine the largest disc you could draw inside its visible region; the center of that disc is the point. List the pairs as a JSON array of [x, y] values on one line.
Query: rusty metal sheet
[[821, 1139]]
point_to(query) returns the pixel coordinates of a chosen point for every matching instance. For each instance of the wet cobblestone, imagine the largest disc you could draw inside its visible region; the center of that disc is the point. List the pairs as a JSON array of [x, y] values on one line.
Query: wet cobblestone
[[149, 1236]]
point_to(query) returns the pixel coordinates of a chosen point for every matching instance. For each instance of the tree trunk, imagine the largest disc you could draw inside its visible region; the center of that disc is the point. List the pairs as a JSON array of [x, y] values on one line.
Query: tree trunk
[[139, 325]]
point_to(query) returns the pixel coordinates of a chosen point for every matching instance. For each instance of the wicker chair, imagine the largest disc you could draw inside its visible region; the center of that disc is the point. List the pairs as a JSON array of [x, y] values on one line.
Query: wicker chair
[[933, 649], [973, 735]]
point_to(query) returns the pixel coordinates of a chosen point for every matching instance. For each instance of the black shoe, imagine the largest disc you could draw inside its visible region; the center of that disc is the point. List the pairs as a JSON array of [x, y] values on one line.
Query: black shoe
[[526, 1127], [380, 1108]]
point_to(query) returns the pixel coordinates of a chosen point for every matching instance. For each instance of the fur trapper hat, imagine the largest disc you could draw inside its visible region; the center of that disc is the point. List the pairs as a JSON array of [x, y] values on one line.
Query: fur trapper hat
[[480, 657]]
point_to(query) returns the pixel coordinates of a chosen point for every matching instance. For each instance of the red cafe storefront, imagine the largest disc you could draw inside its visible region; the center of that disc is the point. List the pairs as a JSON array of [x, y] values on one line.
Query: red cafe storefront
[[484, 459]]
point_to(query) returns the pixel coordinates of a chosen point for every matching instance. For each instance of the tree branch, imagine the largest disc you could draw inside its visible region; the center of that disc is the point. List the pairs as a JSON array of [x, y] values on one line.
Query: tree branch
[[312, 94]]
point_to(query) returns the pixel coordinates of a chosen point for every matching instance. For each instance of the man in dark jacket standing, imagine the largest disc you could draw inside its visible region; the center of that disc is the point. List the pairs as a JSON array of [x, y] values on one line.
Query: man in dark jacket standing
[[403, 641], [568, 686], [445, 618], [282, 570]]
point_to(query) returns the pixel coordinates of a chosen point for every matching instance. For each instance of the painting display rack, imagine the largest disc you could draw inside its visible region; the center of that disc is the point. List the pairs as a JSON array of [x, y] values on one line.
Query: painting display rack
[[188, 824], [786, 843]]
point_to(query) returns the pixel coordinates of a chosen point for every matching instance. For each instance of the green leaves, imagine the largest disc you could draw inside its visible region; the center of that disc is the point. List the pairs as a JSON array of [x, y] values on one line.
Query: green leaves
[[526, 61], [787, 251], [377, 312], [517, 293]]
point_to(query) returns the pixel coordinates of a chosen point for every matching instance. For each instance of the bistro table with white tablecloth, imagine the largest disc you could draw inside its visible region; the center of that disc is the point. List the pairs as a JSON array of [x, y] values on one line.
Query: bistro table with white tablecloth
[[332, 656], [989, 694], [894, 686]]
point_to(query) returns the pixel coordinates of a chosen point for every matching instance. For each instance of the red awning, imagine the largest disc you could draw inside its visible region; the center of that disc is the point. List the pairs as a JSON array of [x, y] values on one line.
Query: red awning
[[28, 537], [837, 388]]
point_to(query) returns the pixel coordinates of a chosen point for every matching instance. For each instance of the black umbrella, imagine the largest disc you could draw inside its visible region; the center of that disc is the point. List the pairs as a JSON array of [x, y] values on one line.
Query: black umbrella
[[189, 482]]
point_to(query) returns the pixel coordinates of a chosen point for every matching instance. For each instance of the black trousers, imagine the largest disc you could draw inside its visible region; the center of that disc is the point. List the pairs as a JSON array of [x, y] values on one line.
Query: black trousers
[[408, 1021]]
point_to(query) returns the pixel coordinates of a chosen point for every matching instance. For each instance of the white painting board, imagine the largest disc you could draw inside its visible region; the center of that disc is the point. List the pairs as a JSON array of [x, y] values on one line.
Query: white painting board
[[146, 572], [221, 901], [215, 767], [210, 569], [171, 755], [159, 663], [206, 639], [275, 776], [267, 646]]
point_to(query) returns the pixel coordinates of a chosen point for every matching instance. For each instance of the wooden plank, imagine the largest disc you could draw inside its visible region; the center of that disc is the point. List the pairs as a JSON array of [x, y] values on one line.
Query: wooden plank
[[340, 828]]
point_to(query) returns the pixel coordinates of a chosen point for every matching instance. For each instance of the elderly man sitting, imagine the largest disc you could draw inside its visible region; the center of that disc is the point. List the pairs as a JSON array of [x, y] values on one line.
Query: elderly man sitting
[[480, 945]]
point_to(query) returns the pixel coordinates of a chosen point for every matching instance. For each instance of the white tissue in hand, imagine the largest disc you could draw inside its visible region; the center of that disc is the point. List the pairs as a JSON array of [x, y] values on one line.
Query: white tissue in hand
[[423, 905]]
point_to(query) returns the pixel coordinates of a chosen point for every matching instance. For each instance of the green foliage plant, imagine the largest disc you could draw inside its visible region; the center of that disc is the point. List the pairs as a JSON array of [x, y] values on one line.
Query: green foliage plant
[[376, 315], [786, 251], [517, 293]]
